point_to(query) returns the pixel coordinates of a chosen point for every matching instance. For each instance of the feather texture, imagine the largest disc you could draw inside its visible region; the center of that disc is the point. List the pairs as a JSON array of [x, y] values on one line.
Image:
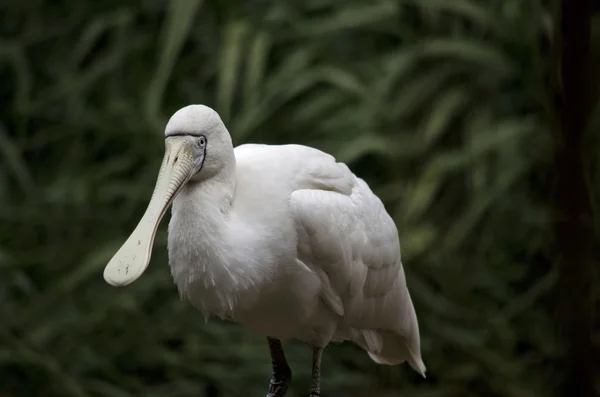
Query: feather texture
[[291, 244]]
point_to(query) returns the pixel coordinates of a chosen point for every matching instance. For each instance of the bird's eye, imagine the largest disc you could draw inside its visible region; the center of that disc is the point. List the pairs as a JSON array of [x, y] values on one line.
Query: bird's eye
[[202, 141]]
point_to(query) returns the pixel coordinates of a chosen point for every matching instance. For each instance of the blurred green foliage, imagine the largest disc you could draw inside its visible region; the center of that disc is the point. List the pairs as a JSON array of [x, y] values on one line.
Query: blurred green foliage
[[440, 105]]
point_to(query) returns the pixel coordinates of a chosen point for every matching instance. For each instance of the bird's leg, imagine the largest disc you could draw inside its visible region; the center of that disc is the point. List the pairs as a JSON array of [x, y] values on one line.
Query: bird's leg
[[282, 374], [315, 384]]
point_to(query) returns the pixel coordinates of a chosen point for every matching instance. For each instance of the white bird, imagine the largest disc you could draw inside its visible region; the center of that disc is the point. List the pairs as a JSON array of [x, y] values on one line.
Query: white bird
[[283, 240]]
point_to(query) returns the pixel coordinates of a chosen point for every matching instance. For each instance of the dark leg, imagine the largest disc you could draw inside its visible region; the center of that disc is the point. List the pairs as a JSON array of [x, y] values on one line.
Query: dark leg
[[282, 374], [315, 384]]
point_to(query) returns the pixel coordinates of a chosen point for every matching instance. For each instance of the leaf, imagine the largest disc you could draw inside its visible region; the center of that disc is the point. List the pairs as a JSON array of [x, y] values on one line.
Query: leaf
[[420, 89], [13, 53], [471, 11], [13, 159], [91, 266], [174, 33], [465, 51], [420, 197], [481, 203], [446, 107], [233, 44], [435, 302], [276, 93], [343, 80], [256, 66], [350, 17], [93, 33], [361, 146], [418, 240]]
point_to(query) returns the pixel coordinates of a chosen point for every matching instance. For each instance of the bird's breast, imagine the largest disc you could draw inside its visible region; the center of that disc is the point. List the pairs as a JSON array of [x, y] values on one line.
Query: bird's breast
[[198, 265], [242, 267]]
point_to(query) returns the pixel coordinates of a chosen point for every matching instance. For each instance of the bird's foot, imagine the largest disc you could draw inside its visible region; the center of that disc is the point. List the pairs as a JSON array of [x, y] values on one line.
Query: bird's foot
[[315, 385], [279, 385], [282, 374]]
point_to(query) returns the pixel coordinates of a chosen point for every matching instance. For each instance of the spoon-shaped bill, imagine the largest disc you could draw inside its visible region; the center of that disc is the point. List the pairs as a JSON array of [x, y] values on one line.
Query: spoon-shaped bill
[[132, 259]]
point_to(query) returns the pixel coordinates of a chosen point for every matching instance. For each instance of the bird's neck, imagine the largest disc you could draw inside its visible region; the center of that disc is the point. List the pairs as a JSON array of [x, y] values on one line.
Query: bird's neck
[[214, 195], [202, 252], [201, 211]]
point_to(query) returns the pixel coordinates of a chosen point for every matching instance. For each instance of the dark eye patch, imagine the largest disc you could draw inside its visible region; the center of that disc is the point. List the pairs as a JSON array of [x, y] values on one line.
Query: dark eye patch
[[170, 134]]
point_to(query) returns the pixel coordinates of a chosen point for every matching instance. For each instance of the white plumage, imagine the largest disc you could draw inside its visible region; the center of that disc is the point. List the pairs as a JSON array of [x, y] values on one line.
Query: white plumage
[[281, 239]]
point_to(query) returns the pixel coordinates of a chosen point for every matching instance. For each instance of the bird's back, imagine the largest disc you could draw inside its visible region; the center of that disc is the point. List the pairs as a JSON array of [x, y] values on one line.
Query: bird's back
[[345, 236]]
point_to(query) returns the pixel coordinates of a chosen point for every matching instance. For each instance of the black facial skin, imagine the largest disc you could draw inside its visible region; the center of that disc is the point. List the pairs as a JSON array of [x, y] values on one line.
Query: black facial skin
[[199, 152], [198, 142], [194, 134]]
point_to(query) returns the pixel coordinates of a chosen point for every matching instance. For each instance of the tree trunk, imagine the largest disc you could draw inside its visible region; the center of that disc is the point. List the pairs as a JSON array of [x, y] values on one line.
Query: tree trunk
[[573, 224]]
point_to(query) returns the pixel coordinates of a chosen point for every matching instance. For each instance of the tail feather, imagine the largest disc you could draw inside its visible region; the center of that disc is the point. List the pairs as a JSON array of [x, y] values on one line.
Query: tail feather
[[394, 350]]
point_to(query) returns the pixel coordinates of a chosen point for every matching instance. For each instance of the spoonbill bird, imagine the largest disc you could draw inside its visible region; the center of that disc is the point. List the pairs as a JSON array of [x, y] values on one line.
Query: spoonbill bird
[[281, 239]]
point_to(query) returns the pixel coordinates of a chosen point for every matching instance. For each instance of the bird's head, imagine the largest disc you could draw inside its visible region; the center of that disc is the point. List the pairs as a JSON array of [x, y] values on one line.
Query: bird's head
[[196, 148]]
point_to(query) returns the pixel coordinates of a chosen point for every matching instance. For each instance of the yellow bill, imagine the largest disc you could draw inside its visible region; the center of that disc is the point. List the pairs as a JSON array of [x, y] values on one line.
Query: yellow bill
[[133, 257]]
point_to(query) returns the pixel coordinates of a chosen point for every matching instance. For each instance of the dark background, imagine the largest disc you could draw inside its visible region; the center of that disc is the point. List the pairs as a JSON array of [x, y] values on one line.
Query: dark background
[[471, 119]]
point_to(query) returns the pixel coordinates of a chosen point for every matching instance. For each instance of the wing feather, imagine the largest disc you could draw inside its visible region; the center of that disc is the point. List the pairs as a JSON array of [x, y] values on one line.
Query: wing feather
[[346, 237]]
